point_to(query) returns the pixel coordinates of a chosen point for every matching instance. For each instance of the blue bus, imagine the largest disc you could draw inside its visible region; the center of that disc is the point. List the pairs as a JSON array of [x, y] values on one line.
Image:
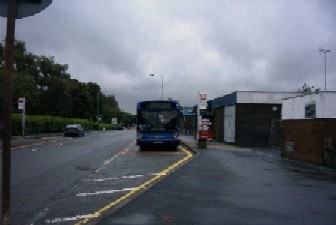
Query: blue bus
[[158, 124]]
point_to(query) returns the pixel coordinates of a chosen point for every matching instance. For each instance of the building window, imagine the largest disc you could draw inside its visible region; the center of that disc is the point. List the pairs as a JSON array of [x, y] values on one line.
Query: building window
[[310, 110]]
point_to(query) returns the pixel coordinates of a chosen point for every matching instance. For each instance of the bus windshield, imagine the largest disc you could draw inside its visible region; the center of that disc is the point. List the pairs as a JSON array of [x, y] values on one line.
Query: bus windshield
[[157, 121]]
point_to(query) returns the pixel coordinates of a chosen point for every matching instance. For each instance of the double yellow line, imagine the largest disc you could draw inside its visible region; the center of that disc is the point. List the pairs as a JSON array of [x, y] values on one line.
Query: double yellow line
[[137, 189]]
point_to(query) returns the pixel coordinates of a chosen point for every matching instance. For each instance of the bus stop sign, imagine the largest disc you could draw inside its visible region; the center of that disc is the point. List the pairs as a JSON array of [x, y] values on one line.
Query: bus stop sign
[[25, 8]]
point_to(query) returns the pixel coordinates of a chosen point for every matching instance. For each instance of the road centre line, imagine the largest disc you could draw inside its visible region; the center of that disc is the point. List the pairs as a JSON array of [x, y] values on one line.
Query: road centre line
[[117, 178], [121, 152], [122, 177], [103, 192], [74, 218], [137, 189]]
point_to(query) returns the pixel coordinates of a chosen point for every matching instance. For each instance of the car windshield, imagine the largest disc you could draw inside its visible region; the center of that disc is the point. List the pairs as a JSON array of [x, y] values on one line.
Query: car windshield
[[153, 121], [72, 126]]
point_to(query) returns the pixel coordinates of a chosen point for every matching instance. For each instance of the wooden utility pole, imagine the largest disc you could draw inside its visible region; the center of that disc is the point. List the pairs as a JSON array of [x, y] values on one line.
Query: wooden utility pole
[[7, 112], [11, 14]]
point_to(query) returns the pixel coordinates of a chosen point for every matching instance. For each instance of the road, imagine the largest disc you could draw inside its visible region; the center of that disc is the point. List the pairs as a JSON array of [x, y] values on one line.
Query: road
[[237, 186], [61, 180], [102, 178]]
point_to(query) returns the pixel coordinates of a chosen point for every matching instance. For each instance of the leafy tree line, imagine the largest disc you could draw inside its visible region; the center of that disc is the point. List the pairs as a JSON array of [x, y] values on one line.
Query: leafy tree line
[[49, 89]]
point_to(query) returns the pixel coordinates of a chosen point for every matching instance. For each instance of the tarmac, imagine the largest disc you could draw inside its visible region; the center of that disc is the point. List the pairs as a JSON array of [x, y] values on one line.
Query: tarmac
[[316, 171], [191, 142], [228, 184]]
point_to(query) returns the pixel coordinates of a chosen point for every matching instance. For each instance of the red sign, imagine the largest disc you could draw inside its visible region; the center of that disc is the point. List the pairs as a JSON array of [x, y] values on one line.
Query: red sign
[[21, 103], [205, 130], [202, 104]]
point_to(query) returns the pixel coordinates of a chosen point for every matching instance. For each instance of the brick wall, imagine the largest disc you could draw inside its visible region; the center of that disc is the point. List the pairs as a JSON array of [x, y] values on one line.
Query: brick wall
[[304, 139]]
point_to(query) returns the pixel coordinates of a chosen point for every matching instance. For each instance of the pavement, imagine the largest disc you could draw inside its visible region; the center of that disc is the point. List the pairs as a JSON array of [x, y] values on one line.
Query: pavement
[[191, 142], [18, 142], [316, 171]]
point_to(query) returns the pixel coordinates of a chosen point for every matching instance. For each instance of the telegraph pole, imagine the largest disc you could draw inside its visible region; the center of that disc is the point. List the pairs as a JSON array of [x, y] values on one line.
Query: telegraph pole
[[11, 14], [7, 112]]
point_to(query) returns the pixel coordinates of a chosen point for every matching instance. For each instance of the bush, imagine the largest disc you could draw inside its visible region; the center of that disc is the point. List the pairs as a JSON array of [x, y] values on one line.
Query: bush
[[37, 124], [106, 126]]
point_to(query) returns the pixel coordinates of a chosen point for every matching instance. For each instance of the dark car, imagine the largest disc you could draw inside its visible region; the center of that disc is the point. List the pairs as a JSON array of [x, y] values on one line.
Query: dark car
[[74, 130], [120, 127]]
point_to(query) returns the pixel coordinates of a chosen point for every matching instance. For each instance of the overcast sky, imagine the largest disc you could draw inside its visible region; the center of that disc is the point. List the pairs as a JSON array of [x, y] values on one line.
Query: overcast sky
[[216, 46]]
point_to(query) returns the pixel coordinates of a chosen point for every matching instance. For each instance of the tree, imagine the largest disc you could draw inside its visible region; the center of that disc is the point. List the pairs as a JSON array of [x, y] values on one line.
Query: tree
[[308, 90], [56, 99], [25, 87], [110, 108], [49, 89]]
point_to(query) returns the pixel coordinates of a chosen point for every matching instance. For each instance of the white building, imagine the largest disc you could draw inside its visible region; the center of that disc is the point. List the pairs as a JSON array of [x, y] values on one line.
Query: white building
[[308, 106]]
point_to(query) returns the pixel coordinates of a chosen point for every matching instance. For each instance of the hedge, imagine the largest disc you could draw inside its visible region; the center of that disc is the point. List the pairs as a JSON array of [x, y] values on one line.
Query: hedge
[[37, 124]]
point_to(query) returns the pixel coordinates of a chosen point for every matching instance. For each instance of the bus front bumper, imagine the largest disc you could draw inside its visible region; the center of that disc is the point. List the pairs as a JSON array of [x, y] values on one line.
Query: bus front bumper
[[151, 142]]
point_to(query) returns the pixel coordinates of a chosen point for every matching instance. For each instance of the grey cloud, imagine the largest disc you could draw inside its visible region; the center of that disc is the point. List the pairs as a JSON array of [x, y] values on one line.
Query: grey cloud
[[214, 46]]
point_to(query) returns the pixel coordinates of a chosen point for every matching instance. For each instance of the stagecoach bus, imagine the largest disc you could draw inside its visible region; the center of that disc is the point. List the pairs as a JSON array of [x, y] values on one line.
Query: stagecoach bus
[[158, 123]]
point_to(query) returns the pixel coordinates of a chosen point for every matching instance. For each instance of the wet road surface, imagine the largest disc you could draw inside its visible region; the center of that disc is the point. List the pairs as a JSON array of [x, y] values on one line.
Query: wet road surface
[[104, 179], [236, 186], [79, 180]]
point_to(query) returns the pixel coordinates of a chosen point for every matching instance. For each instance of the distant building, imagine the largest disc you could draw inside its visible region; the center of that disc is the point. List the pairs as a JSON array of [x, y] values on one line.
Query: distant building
[[248, 117], [188, 121]]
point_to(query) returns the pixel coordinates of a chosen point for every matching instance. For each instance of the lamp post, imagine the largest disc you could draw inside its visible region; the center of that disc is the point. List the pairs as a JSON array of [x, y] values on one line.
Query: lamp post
[[152, 75], [325, 51]]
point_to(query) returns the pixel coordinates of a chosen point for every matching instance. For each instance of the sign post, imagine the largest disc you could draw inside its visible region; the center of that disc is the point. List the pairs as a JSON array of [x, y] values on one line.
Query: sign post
[[114, 121], [22, 107], [200, 135]]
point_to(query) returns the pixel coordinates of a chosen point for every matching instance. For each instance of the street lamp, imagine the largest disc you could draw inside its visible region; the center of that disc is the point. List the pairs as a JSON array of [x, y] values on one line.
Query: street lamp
[[152, 75], [325, 51]]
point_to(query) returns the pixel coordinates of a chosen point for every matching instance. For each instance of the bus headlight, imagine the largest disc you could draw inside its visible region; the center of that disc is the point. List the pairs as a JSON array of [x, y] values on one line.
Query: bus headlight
[[139, 136]]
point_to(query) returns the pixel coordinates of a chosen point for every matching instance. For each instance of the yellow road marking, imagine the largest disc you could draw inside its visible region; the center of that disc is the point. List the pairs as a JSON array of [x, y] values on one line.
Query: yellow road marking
[[137, 189]]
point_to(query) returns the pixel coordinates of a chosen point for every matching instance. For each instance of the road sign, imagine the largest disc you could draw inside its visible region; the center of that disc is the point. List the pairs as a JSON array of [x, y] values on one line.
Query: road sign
[[22, 103], [25, 8], [114, 121], [202, 98]]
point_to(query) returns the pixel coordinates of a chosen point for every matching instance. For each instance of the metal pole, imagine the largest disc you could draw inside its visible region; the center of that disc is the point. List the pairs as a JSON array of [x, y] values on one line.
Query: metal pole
[[7, 112], [325, 51], [325, 71], [98, 107], [152, 75], [161, 87]]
